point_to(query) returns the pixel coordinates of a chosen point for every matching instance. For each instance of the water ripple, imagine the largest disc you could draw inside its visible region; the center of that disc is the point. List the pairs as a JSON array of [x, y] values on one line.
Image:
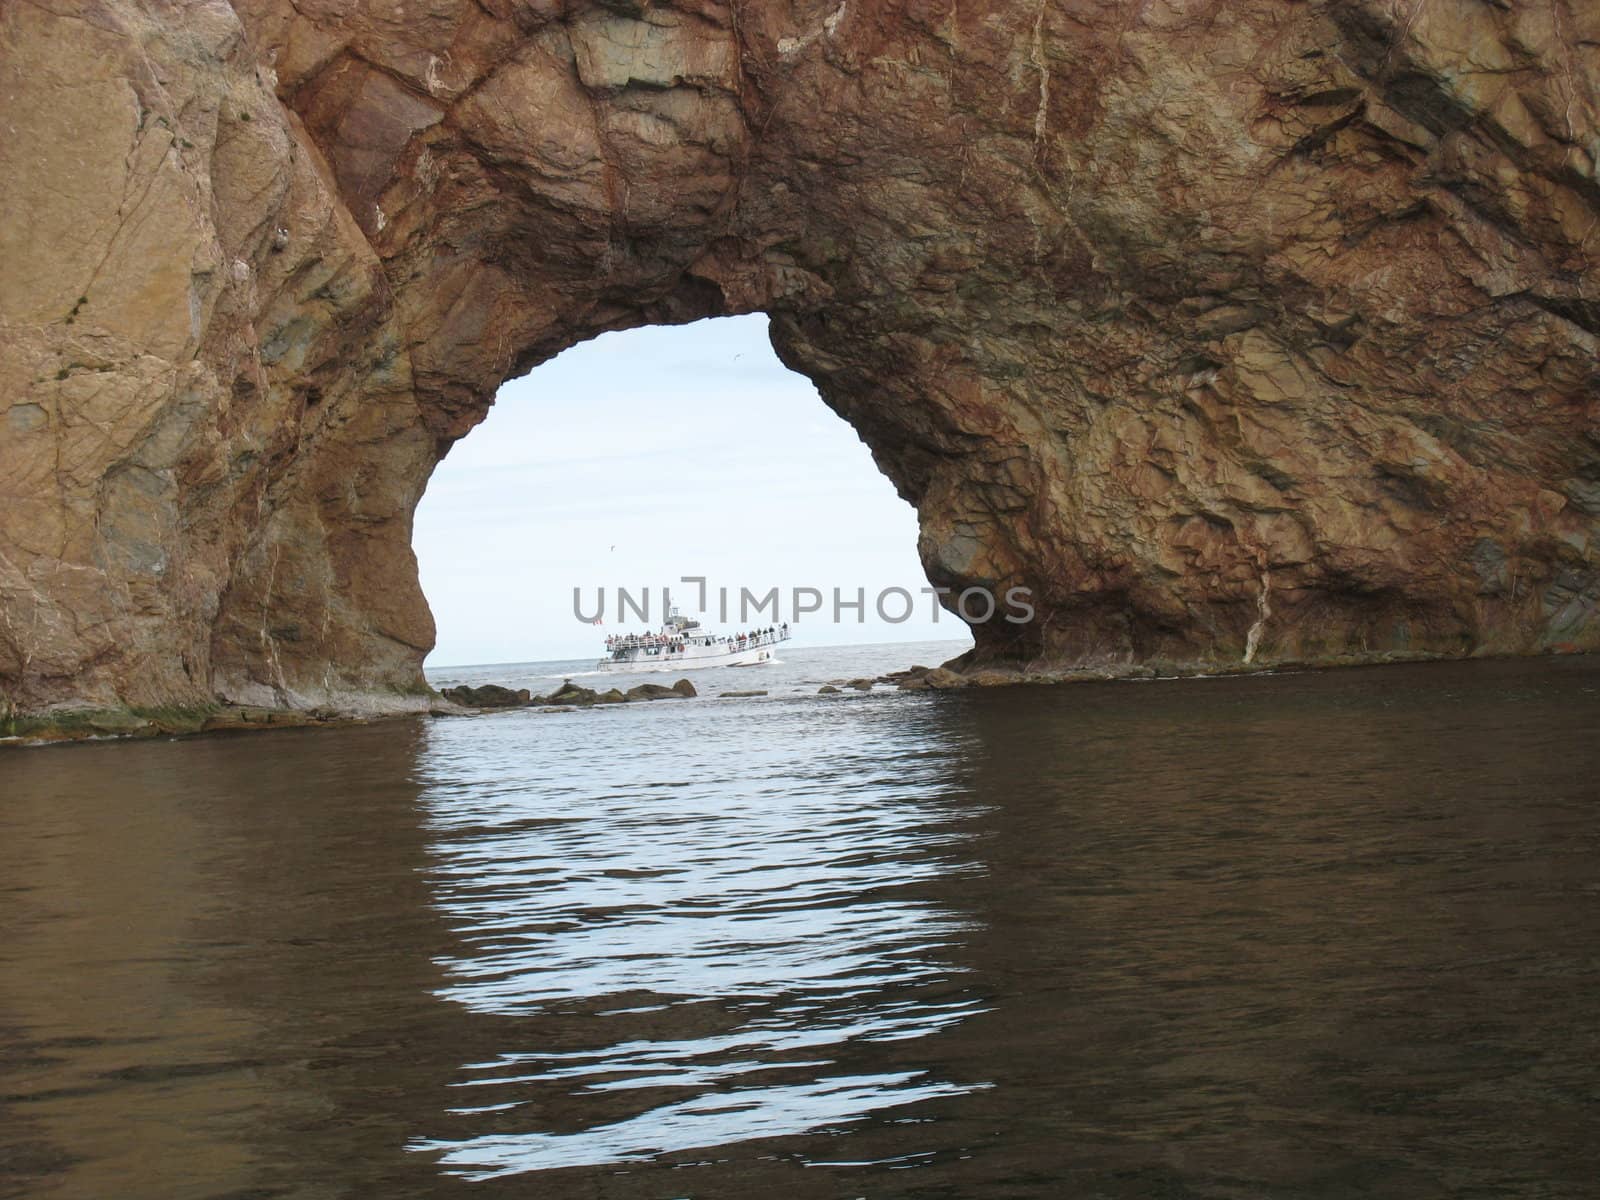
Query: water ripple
[[724, 929]]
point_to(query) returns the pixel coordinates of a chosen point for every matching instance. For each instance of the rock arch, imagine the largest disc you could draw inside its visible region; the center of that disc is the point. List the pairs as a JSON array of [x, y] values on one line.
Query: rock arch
[[1235, 331]]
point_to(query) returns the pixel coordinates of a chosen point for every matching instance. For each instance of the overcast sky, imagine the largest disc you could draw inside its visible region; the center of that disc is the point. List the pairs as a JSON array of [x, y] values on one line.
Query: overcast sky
[[641, 457]]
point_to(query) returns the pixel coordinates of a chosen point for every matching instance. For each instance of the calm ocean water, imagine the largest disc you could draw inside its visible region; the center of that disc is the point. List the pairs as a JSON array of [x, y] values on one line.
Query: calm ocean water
[[1317, 935]]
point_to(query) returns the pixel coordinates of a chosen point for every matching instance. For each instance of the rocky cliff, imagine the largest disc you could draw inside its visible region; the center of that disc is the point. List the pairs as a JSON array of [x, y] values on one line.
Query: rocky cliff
[[1239, 332]]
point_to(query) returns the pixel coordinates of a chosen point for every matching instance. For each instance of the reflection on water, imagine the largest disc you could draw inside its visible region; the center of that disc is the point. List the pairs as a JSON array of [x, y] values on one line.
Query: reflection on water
[[750, 893], [1321, 935]]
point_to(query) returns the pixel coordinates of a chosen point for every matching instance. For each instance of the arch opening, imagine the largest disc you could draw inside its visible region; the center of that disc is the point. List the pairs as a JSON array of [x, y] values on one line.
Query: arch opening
[[644, 461]]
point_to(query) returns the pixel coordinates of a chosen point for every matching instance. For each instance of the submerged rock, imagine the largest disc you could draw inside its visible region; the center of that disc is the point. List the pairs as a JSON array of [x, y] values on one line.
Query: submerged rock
[[827, 689]]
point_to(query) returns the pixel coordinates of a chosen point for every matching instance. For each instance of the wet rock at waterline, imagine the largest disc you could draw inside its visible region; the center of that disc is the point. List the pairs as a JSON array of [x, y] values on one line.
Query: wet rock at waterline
[[939, 679], [994, 677], [572, 694], [654, 691], [569, 693], [490, 695], [567, 697], [1262, 335]]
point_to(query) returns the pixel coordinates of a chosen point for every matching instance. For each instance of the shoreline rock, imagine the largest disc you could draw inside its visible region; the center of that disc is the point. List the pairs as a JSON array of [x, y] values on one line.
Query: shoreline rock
[[570, 695], [577, 696], [69, 726], [938, 678], [126, 724], [489, 695]]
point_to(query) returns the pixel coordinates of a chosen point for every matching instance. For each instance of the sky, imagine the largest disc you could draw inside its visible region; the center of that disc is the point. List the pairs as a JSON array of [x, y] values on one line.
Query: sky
[[639, 458]]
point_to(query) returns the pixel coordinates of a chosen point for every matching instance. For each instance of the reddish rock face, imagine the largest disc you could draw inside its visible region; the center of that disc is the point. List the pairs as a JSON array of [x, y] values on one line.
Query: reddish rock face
[[1236, 331]]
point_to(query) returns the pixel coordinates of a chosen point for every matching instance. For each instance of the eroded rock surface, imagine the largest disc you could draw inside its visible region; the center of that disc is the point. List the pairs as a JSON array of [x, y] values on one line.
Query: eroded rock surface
[[1235, 331]]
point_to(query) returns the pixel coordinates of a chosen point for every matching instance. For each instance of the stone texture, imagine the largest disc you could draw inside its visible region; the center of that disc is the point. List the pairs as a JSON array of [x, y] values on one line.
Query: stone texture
[[1239, 332], [941, 680], [656, 691], [489, 695]]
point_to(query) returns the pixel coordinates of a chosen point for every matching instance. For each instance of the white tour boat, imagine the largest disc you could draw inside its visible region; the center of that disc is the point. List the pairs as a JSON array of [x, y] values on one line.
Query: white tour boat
[[682, 644]]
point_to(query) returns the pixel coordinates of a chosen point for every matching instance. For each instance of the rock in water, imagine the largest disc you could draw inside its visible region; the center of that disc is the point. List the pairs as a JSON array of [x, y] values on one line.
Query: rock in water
[[569, 693], [993, 678], [1265, 334], [654, 691], [488, 695], [939, 679]]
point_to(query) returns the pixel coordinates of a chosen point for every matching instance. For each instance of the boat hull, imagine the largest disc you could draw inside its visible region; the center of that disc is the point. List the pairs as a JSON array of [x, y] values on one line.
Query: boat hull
[[718, 656]]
